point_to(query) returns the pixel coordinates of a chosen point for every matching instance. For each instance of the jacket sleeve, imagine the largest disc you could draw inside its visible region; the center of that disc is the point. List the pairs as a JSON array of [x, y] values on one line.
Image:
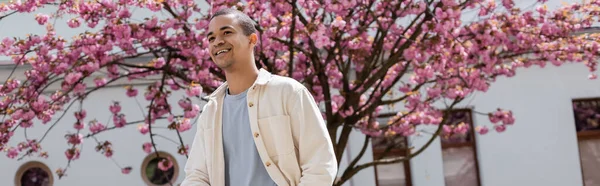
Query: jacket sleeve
[[315, 151], [195, 167]]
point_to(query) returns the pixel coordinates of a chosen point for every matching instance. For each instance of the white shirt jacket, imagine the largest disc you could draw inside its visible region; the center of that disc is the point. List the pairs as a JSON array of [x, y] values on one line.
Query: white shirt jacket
[[288, 129]]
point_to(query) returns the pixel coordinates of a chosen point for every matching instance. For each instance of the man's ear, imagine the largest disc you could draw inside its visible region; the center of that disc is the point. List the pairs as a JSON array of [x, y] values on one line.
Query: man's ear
[[253, 39]]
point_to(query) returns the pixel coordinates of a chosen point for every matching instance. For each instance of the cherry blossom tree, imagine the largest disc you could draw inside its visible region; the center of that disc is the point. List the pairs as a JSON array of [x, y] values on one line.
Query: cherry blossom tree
[[355, 56]]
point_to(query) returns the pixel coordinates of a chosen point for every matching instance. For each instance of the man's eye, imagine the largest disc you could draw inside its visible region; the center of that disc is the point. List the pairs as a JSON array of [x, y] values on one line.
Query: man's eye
[[210, 39], [228, 32]]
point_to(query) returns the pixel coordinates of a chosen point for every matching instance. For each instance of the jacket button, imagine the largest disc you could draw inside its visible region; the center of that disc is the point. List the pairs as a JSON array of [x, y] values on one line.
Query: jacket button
[[256, 135], [268, 163], [250, 104]]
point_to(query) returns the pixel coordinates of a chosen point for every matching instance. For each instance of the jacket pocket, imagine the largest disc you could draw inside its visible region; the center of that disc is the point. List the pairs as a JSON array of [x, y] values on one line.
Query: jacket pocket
[[277, 135]]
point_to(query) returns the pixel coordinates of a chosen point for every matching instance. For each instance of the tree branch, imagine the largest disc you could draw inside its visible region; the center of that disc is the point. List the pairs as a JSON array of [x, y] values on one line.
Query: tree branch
[[4, 16]]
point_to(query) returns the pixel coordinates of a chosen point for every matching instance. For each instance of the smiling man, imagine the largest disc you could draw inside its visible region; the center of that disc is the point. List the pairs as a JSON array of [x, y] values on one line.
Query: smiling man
[[257, 129]]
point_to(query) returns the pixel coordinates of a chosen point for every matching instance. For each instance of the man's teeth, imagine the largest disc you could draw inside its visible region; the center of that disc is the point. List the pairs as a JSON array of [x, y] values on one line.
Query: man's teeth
[[222, 51]]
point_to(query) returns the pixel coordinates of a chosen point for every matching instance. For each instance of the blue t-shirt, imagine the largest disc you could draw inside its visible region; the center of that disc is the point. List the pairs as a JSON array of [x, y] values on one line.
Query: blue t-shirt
[[243, 166]]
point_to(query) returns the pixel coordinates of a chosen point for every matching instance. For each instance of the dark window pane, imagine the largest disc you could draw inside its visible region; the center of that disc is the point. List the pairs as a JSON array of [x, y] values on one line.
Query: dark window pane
[[458, 117], [35, 177], [381, 143], [587, 114]]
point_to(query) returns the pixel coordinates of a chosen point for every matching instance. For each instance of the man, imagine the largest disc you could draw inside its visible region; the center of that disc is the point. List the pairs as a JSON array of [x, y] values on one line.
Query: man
[[257, 129]]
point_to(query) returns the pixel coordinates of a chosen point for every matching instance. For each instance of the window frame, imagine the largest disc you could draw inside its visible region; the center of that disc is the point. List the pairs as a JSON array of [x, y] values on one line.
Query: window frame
[[588, 134], [32, 164], [472, 143], [393, 152], [583, 135], [406, 164]]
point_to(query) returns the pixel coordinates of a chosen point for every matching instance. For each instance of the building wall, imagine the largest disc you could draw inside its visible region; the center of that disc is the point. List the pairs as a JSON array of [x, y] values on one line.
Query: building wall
[[541, 148]]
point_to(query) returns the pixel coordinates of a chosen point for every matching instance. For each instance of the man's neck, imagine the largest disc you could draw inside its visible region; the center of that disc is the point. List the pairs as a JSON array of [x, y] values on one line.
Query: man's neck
[[241, 79]]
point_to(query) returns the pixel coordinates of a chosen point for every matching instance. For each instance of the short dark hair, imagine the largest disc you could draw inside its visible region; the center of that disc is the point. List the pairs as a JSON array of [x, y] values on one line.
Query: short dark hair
[[247, 24]]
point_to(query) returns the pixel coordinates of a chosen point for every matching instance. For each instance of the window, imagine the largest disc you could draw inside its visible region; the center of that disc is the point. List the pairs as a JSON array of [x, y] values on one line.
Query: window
[[153, 169], [397, 174], [587, 126], [34, 173], [458, 151]]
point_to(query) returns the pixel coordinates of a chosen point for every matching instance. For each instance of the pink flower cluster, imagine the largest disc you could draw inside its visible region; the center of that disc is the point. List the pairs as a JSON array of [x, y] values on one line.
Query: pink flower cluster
[[165, 164], [505, 117], [105, 148]]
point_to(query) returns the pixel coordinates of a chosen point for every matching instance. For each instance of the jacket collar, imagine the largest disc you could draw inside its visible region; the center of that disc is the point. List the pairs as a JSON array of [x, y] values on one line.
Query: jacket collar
[[263, 78]]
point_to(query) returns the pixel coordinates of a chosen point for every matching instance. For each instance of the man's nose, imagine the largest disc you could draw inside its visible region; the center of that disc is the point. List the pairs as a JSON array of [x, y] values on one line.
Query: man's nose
[[218, 42]]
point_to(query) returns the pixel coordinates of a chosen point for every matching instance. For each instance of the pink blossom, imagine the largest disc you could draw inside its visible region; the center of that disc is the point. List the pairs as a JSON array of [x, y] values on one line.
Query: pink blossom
[[72, 154], [193, 112], [74, 139], [99, 81], [338, 22], [119, 120], [481, 130], [60, 172], [115, 108], [159, 63], [126, 170], [108, 153], [143, 128], [461, 128], [73, 23], [79, 88], [500, 128], [184, 125], [131, 92], [34, 145], [194, 90], [22, 146], [12, 153], [505, 116], [320, 38], [347, 112], [73, 77], [44, 155], [406, 88], [124, 13], [184, 150], [165, 164], [147, 147], [447, 130], [78, 125], [41, 18], [80, 115], [185, 103], [26, 123], [96, 126], [542, 9]]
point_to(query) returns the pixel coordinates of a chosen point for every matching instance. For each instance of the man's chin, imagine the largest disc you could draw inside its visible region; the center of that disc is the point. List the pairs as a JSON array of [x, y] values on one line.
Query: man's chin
[[223, 64]]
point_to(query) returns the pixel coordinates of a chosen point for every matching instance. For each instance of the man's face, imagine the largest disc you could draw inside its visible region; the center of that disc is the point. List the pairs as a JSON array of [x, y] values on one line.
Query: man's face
[[227, 42]]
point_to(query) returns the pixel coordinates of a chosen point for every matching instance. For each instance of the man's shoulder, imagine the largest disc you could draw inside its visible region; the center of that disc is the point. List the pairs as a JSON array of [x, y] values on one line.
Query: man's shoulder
[[284, 83]]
